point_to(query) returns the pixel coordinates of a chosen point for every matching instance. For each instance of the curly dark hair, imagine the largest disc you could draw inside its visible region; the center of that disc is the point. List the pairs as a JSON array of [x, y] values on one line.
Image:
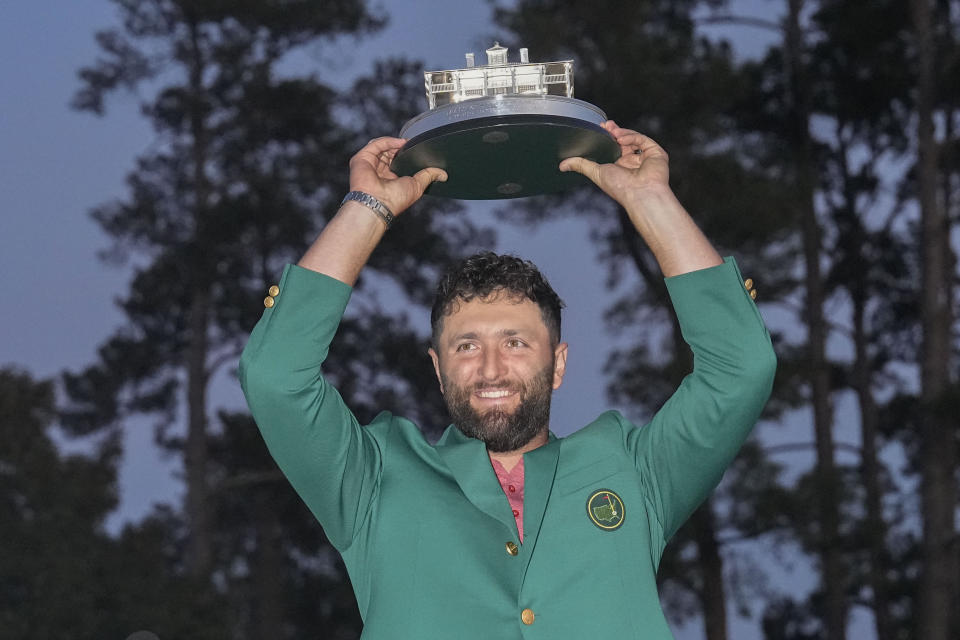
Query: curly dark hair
[[487, 273]]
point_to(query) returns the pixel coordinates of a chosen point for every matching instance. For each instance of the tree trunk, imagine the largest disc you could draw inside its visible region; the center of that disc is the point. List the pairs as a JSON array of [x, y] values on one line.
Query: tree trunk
[[861, 380], [713, 594], [937, 458], [819, 374], [269, 570], [200, 543], [870, 474]]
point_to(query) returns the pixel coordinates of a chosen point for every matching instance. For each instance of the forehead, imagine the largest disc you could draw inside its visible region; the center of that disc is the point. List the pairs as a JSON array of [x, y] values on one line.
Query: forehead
[[496, 313]]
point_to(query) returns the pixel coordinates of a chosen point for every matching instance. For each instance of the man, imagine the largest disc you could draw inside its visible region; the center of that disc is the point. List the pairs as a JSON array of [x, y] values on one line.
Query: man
[[502, 530]]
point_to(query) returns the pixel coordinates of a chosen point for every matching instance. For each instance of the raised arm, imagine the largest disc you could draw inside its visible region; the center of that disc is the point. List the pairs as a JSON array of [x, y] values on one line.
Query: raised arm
[[345, 244], [640, 181], [683, 452], [331, 461]]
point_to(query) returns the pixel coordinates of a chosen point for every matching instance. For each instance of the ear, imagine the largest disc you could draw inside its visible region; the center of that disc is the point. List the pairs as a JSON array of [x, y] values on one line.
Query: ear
[[559, 364], [436, 366]]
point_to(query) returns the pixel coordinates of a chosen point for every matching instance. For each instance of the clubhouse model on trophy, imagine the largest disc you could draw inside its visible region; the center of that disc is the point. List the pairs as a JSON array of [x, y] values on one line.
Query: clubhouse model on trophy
[[501, 129]]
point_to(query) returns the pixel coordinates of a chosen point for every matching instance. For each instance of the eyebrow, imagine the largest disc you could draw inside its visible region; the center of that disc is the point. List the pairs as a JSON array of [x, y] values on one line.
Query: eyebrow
[[472, 335]]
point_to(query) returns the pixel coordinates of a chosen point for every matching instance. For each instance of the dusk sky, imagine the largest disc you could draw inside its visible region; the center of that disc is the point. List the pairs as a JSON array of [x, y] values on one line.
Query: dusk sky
[[57, 164]]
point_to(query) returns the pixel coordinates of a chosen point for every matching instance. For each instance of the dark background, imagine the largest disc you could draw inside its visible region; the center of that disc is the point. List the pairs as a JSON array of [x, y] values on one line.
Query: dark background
[[786, 149]]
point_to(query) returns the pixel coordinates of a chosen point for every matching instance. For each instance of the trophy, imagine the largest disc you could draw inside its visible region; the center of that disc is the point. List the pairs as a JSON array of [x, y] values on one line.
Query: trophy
[[500, 129]]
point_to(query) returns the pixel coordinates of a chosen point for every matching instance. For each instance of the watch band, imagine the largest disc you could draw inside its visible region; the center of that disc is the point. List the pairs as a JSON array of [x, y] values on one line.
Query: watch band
[[367, 200]]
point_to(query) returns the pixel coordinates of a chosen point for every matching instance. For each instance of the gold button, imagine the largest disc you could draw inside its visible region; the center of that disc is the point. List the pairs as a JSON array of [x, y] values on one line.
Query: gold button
[[753, 293], [527, 616], [274, 290], [512, 549], [268, 302], [747, 284]]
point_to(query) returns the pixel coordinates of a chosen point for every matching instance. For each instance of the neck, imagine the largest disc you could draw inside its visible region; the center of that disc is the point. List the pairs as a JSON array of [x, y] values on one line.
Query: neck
[[509, 459]]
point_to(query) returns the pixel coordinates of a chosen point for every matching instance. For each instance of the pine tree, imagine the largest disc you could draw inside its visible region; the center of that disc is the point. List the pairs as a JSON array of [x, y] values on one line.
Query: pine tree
[[650, 71], [250, 160]]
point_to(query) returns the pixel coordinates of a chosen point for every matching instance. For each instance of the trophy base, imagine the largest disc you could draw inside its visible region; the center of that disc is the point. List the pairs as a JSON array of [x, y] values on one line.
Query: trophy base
[[505, 156]]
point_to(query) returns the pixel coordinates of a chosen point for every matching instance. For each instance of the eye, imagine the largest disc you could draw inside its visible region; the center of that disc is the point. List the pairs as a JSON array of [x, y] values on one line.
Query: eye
[[466, 346], [515, 343]]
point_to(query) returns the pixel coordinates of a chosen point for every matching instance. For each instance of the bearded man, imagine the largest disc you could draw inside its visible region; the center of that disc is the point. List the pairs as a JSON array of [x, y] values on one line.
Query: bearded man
[[502, 530]]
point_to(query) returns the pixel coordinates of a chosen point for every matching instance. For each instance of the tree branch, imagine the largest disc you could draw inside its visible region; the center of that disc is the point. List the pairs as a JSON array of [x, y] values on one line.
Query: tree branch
[[247, 479], [803, 446], [745, 21]]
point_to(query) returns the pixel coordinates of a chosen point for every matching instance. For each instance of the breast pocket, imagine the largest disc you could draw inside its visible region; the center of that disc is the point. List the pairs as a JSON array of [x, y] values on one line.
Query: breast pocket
[[589, 476]]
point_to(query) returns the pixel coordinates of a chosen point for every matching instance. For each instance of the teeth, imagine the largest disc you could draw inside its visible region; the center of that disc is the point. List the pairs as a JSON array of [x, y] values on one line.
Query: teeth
[[493, 394]]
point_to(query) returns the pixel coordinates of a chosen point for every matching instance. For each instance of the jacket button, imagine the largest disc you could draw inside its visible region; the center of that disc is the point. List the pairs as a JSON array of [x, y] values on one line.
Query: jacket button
[[748, 284], [527, 616], [268, 302], [274, 291], [512, 549]]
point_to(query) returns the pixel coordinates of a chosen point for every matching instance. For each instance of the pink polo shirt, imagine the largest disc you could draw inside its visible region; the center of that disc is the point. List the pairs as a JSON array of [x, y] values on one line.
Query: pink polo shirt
[[512, 483]]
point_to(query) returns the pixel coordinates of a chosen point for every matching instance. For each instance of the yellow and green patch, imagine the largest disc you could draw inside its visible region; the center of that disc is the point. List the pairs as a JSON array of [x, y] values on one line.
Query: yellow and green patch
[[605, 509]]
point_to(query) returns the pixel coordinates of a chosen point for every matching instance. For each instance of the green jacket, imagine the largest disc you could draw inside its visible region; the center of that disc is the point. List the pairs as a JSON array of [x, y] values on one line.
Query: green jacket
[[424, 529]]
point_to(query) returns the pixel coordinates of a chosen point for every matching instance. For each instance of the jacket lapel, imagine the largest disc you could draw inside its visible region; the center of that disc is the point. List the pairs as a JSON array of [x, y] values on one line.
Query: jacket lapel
[[469, 463], [539, 470]]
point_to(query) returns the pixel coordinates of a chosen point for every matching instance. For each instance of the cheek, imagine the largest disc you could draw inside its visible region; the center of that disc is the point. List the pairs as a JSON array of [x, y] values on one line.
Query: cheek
[[449, 380], [455, 373]]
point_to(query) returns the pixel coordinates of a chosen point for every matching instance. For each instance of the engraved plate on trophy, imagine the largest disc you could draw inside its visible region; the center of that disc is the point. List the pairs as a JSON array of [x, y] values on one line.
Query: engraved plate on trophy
[[500, 130]]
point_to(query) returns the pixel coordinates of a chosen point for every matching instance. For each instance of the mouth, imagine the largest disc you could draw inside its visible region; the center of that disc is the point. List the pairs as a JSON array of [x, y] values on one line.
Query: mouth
[[494, 395]]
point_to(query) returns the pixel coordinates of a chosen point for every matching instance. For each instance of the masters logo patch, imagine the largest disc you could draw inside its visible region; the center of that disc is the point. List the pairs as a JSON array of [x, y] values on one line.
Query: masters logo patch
[[605, 509]]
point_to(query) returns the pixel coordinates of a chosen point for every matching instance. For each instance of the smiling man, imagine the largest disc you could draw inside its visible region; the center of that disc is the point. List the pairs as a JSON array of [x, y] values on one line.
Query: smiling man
[[538, 536], [497, 352]]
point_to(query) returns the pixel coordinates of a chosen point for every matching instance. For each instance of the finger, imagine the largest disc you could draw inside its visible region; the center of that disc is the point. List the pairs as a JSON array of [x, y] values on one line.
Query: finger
[[385, 159], [619, 132], [616, 130], [425, 177], [386, 143], [371, 152], [629, 150], [638, 141], [585, 167], [630, 158]]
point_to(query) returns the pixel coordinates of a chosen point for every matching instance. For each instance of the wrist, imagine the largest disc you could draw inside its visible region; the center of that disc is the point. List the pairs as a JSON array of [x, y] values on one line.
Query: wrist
[[360, 221], [651, 199], [373, 204]]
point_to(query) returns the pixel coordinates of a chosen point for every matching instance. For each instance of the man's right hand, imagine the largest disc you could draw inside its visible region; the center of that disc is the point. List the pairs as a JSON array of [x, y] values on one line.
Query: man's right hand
[[370, 172], [346, 242]]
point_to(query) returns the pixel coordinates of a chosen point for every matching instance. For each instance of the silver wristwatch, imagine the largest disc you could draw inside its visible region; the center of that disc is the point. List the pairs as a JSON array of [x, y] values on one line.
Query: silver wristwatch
[[367, 200]]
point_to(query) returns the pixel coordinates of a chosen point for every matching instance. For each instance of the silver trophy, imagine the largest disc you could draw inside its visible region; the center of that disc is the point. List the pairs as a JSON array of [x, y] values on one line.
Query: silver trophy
[[500, 130]]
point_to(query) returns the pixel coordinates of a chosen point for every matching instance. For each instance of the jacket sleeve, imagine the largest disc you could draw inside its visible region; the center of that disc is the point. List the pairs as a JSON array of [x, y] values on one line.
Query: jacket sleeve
[[682, 453], [329, 459]]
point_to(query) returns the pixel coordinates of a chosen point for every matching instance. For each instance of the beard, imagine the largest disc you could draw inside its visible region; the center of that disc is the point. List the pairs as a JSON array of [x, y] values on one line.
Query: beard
[[503, 430]]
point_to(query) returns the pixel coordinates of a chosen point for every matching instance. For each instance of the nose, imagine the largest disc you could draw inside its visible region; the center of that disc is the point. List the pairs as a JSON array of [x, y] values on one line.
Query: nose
[[491, 365]]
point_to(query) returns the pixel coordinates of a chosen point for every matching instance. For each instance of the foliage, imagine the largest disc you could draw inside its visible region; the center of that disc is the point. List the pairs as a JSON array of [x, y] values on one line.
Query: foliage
[[734, 131], [249, 161]]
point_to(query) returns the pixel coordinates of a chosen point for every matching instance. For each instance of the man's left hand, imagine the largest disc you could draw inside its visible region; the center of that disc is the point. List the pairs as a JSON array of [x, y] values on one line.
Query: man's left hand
[[643, 167]]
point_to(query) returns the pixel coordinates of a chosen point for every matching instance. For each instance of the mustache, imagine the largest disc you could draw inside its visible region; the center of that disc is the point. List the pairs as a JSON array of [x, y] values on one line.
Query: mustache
[[505, 384]]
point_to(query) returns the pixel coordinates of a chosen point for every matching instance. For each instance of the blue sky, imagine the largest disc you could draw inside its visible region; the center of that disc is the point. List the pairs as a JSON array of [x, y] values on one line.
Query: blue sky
[[57, 164]]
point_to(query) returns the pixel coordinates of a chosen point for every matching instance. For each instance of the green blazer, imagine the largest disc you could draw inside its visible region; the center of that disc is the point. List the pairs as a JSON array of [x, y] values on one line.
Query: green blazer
[[426, 531]]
